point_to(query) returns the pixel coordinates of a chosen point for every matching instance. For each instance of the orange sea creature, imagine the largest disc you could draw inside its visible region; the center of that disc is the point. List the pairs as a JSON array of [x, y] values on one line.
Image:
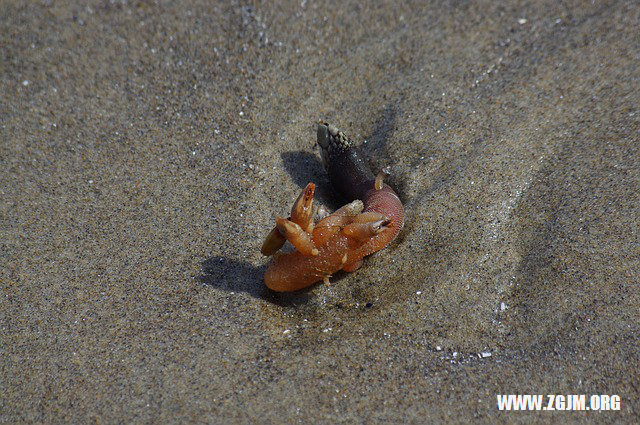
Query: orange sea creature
[[338, 241]]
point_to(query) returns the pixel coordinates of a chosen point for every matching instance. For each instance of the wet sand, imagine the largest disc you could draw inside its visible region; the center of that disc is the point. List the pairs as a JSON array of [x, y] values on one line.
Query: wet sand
[[146, 149]]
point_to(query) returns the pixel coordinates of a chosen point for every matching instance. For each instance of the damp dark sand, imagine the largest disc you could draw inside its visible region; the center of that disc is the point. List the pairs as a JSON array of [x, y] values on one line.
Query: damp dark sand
[[146, 149]]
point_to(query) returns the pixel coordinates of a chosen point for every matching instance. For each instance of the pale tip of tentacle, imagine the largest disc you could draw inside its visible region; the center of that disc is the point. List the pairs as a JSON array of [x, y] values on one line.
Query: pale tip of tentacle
[[323, 135], [321, 212], [384, 173], [324, 142], [382, 225], [354, 208], [368, 217], [286, 226], [379, 226]]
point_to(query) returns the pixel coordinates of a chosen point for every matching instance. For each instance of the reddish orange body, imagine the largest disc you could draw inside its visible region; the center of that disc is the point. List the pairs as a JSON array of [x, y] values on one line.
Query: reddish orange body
[[340, 240]]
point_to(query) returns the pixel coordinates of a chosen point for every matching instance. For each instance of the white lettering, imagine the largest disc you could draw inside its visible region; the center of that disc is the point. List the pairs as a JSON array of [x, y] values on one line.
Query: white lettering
[[560, 402], [615, 402], [550, 403], [594, 401]]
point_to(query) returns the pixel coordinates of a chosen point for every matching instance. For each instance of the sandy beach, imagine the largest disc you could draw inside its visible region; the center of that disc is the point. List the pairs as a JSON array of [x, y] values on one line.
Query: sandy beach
[[146, 148]]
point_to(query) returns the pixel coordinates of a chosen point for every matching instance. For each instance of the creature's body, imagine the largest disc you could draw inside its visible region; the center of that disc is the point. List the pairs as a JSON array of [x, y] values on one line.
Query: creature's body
[[338, 241]]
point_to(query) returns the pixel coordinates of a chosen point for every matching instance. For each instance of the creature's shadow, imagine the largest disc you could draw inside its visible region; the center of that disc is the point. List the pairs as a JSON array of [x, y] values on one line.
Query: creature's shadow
[[377, 151], [305, 167], [235, 275], [240, 276]]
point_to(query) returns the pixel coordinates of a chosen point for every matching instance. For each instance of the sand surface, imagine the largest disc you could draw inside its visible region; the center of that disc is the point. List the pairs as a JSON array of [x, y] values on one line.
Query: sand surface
[[146, 147]]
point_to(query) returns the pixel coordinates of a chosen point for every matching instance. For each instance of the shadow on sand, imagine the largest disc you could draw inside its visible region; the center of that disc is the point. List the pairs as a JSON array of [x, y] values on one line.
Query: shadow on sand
[[240, 276]]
